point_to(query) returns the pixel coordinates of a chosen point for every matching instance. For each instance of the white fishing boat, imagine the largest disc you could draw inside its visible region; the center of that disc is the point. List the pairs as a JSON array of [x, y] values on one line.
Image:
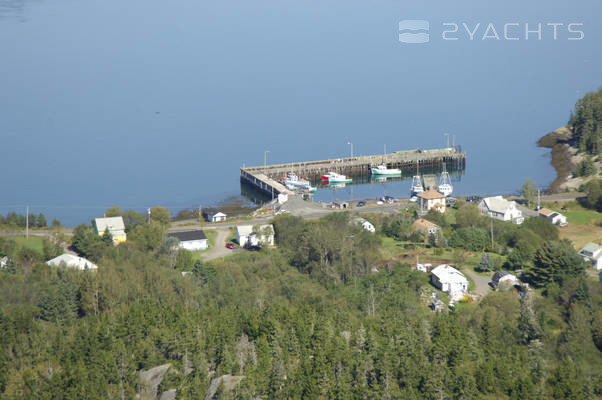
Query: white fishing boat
[[445, 186], [292, 181], [416, 186], [383, 170]]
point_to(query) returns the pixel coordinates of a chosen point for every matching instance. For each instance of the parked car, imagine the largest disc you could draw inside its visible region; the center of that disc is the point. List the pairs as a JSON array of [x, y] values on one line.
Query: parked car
[[451, 200], [361, 203], [253, 248], [230, 245], [413, 199]]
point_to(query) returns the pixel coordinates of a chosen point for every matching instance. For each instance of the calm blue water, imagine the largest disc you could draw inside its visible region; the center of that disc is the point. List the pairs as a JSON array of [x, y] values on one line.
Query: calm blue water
[[139, 103]]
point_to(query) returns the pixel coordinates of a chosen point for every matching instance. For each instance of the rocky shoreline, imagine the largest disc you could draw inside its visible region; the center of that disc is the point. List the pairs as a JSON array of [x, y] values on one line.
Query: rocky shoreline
[[565, 158]]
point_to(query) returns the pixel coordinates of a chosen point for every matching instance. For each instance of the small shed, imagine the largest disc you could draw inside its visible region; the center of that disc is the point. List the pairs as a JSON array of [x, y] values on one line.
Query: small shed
[[503, 278], [365, 224], [212, 215], [554, 217], [191, 240]]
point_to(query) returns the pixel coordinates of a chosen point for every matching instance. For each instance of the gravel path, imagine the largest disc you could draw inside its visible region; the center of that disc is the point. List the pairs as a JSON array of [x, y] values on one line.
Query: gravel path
[[219, 248], [481, 282]]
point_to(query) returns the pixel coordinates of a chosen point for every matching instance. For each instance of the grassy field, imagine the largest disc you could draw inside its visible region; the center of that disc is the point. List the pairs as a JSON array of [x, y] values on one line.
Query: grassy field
[[34, 242], [583, 225]]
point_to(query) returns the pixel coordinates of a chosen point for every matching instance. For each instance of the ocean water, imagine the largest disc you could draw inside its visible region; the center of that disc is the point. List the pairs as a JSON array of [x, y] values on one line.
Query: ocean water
[[139, 103]]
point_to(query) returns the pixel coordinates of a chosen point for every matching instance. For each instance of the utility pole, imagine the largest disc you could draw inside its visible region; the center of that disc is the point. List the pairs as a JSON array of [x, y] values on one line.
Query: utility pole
[[265, 162], [27, 223], [454, 141], [538, 199], [349, 143], [491, 233], [149, 215], [447, 137], [200, 213]]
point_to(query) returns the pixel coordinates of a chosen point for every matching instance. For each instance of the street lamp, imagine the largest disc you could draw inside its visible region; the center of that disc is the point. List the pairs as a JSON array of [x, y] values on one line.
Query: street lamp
[[447, 135], [265, 162], [351, 144]]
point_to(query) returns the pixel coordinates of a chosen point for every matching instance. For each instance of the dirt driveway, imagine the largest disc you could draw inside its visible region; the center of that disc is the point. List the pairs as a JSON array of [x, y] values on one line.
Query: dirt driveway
[[219, 248]]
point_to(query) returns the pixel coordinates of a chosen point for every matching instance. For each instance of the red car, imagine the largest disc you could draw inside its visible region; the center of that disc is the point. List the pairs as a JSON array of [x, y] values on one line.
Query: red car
[[230, 245]]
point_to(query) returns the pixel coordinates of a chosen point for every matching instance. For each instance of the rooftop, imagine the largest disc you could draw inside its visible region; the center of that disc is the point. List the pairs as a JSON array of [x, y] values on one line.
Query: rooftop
[[188, 235], [447, 273], [431, 195], [497, 204], [112, 223], [72, 261]]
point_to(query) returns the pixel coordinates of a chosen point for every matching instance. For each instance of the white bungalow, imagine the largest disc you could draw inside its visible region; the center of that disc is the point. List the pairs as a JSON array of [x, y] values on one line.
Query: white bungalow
[[499, 208], [72, 261], [247, 236], [450, 280], [554, 217], [191, 240], [215, 216]]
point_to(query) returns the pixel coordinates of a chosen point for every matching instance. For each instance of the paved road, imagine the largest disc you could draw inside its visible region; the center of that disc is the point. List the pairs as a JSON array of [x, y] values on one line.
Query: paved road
[[481, 282]]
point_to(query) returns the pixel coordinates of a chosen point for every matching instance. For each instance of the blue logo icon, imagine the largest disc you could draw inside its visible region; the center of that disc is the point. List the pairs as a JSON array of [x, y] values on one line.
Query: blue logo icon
[[418, 31]]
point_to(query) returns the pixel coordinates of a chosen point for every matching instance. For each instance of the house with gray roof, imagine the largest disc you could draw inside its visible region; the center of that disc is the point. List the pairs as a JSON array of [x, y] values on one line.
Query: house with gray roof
[[501, 209]]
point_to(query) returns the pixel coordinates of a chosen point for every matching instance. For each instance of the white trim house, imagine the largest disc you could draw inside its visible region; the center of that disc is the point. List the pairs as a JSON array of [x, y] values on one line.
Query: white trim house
[[448, 279], [247, 235], [191, 240], [592, 253], [499, 208]]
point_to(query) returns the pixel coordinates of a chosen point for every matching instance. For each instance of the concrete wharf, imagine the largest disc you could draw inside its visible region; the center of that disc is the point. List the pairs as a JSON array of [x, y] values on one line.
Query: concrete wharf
[[267, 178]]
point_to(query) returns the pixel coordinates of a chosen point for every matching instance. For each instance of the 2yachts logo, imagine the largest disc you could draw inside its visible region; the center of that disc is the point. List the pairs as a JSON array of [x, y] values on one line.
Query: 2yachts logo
[[418, 31]]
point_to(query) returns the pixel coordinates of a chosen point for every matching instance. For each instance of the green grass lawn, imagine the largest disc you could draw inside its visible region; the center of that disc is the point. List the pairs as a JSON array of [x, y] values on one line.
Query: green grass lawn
[[581, 217], [211, 235], [34, 242]]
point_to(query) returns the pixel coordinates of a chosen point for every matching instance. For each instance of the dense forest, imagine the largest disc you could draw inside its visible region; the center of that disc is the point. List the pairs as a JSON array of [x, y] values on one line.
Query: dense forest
[[586, 123], [306, 320]]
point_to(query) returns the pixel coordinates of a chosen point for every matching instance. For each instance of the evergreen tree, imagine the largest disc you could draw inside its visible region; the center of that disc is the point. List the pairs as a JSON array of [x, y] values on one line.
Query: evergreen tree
[[553, 262]]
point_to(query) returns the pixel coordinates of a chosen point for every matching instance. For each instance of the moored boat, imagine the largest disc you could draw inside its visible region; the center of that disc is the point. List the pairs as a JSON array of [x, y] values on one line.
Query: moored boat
[[333, 177], [383, 170], [445, 186]]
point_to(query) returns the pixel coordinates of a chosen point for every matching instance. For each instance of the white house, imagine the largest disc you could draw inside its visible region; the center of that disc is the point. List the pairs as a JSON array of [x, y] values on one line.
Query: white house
[[246, 235], [3, 261], [499, 208], [191, 240], [367, 225], [431, 200], [215, 216], [592, 253], [423, 267], [115, 226], [501, 278], [554, 217], [450, 280], [72, 261]]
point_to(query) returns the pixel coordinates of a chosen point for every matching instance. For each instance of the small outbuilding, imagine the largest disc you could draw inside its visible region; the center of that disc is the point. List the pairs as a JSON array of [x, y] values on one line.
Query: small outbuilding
[[72, 261], [503, 279], [191, 240], [212, 215], [554, 217]]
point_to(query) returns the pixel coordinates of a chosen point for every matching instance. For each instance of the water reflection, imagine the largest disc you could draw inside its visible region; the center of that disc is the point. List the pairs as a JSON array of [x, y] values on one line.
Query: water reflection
[[15, 9]]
